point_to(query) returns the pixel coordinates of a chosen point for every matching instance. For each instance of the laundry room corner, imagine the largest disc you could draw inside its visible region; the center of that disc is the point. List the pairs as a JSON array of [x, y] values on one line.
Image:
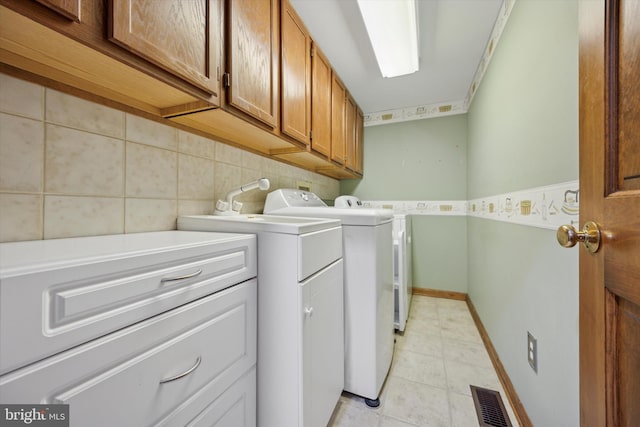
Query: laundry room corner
[[423, 162]]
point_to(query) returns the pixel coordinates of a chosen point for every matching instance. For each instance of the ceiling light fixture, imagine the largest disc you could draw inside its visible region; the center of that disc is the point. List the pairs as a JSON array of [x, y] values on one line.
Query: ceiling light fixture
[[393, 31]]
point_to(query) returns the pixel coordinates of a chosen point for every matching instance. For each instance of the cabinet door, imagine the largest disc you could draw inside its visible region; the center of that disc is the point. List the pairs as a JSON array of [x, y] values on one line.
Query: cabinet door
[[67, 8], [252, 58], [323, 344], [351, 111], [359, 142], [338, 109], [182, 37], [296, 76], [320, 102]]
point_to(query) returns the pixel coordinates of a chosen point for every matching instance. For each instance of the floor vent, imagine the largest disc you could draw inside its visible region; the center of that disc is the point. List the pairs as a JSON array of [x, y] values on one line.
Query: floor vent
[[489, 408]]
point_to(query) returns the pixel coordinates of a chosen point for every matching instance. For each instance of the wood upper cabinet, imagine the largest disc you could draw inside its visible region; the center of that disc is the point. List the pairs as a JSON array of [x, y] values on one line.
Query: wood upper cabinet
[[67, 8], [179, 59], [338, 120], [351, 111], [354, 131], [253, 52], [359, 150], [182, 37], [296, 76], [320, 102]]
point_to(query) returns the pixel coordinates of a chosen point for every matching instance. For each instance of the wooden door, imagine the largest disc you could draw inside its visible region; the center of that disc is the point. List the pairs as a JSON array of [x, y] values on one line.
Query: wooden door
[[320, 102], [296, 76], [610, 195], [252, 58], [338, 118], [182, 37]]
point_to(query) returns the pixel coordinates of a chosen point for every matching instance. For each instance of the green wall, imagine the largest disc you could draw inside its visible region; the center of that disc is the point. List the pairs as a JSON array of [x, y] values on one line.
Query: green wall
[[521, 132], [415, 160], [422, 160], [440, 252]]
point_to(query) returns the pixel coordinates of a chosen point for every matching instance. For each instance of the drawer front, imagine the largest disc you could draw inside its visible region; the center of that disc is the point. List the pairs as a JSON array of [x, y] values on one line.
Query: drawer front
[[120, 376], [236, 407], [317, 250], [43, 313]]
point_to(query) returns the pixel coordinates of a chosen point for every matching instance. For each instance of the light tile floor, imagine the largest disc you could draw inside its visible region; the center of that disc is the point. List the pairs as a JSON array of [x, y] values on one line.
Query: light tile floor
[[435, 360]]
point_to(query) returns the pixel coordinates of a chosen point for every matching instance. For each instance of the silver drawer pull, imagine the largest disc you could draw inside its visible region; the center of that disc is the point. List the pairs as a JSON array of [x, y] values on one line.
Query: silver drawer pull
[[186, 276], [184, 374]]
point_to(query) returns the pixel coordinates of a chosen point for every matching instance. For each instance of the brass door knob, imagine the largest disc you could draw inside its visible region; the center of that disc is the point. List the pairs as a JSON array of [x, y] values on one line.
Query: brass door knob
[[568, 236]]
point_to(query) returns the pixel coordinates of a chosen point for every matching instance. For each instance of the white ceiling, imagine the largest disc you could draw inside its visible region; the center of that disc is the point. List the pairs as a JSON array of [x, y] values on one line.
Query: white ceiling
[[453, 38]]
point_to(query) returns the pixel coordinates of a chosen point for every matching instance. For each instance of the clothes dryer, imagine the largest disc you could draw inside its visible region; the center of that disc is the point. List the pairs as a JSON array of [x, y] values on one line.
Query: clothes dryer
[[402, 260]]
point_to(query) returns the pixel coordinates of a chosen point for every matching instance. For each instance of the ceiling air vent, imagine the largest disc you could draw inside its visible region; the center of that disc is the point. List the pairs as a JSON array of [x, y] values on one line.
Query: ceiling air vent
[[387, 116], [444, 108], [489, 408]]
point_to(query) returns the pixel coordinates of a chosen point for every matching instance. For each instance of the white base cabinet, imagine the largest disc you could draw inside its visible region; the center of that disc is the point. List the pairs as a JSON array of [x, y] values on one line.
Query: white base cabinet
[[194, 364], [300, 316]]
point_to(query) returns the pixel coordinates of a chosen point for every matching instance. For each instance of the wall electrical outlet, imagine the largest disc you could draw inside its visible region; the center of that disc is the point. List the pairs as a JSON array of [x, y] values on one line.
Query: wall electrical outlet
[[532, 351]]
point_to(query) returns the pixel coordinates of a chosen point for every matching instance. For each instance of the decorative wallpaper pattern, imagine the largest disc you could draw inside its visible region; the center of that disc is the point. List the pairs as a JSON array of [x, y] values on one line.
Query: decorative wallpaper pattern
[[422, 207], [454, 107], [544, 207]]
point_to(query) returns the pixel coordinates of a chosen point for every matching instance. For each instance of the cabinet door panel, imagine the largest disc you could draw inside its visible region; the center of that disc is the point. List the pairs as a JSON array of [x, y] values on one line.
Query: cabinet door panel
[[320, 103], [182, 37], [350, 133], [296, 76], [67, 8], [323, 344], [338, 107], [253, 52], [359, 142]]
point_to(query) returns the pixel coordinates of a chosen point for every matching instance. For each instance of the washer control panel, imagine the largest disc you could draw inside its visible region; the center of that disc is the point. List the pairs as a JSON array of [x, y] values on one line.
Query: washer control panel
[[289, 197]]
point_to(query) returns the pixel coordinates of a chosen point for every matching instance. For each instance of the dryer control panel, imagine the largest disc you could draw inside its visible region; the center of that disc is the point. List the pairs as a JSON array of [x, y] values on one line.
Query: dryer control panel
[[347, 202]]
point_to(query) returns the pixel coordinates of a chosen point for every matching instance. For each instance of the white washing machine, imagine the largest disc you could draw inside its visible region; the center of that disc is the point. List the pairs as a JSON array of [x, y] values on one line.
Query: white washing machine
[[368, 286], [300, 367], [402, 260]]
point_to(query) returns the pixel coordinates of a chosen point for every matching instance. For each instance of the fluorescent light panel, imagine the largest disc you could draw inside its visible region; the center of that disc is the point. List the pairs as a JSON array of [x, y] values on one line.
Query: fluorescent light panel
[[393, 31]]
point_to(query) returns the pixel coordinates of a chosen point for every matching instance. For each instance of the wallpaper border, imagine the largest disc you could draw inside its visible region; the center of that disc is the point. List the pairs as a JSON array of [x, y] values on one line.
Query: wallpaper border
[[460, 106], [546, 207]]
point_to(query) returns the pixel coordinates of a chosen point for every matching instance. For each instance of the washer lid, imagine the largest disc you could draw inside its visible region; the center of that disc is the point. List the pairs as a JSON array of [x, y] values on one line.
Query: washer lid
[[254, 223]]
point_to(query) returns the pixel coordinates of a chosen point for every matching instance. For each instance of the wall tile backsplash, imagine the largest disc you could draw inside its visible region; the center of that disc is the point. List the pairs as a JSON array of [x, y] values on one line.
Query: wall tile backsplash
[[71, 167]]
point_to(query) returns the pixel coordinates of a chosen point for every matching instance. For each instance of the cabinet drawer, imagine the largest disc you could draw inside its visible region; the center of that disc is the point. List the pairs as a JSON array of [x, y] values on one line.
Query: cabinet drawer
[[116, 380], [235, 408], [50, 309], [317, 250]]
